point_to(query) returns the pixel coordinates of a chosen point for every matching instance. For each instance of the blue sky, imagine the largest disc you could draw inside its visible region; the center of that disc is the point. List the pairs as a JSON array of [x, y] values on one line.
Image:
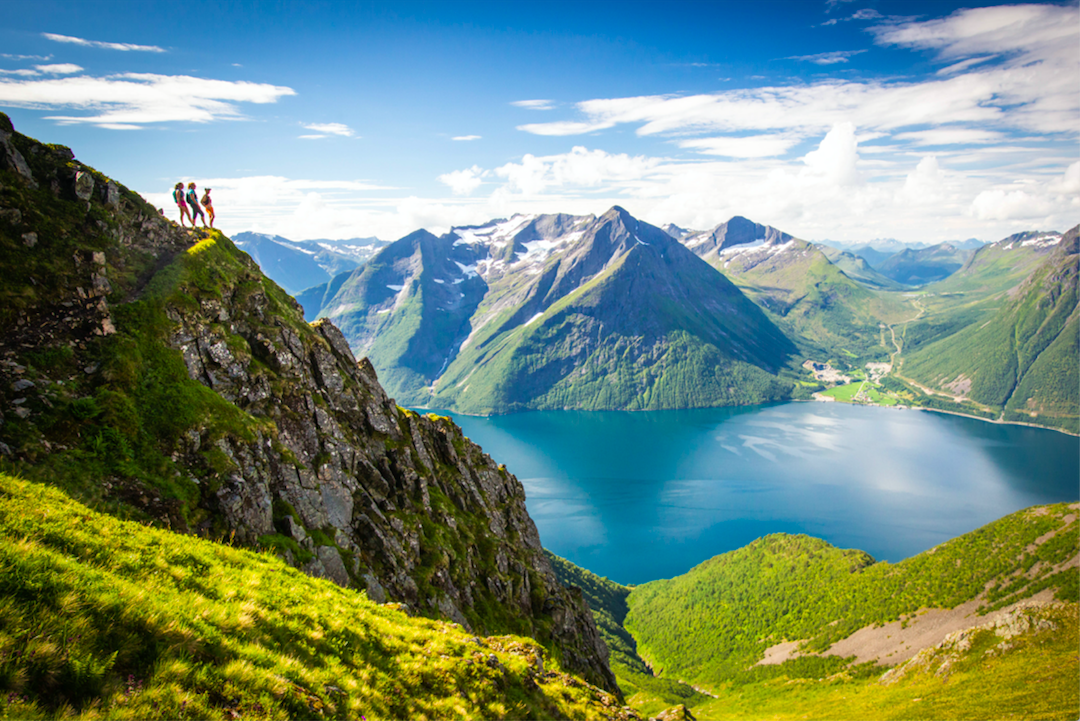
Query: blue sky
[[840, 119]]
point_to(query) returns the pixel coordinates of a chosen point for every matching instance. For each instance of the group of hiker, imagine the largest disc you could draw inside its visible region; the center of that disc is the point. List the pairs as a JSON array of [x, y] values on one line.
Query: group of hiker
[[189, 204]]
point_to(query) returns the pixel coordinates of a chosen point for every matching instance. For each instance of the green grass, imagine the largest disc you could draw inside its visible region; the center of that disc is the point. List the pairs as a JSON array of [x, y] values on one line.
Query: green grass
[[845, 393], [104, 618]]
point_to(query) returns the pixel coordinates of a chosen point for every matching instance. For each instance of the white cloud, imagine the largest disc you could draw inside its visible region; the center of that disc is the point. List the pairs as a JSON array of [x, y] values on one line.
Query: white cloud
[[26, 72], [534, 104], [830, 58], [951, 136], [836, 157], [579, 167], [466, 137], [59, 69], [326, 129], [98, 44], [753, 146], [133, 99], [463, 182]]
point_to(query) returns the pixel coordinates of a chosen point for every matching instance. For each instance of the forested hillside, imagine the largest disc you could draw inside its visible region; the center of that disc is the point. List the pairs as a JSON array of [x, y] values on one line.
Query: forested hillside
[[1022, 360], [709, 625]]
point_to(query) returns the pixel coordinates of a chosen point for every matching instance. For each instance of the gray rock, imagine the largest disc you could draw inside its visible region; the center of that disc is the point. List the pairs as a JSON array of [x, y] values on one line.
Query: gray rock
[[84, 185], [29, 239], [21, 385], [333, 565], [11, 215]]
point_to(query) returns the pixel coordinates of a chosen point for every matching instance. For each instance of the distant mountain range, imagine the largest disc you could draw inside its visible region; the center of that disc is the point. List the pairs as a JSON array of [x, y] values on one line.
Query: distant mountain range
[[299, 264], [562, 311], [555, 311]]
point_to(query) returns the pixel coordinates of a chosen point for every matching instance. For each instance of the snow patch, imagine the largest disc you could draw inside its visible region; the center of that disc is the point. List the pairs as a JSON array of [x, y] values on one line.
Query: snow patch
[[532, 320], [496, 235], [440, 281], [384, 310], [396, 287]]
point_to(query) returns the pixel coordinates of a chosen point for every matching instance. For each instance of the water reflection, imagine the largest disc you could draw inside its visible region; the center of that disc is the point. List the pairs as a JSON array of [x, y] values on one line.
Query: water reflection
[[638, 496]]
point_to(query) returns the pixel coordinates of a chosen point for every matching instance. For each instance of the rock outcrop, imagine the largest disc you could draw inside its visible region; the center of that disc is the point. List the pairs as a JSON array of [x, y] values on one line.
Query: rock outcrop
[[315, 461]]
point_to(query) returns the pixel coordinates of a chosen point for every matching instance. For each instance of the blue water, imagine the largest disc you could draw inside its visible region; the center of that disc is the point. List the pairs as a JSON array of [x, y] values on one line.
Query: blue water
[[641, 496]]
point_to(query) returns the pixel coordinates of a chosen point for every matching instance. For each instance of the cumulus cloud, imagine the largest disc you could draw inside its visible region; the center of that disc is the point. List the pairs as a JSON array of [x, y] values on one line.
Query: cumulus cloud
[[98, 44], [130, 100], [836, 157], [463, 182], [534, 104], [579, 167]]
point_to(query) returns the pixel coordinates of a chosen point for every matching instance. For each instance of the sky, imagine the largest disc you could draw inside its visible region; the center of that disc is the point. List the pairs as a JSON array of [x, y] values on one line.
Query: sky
[[843, 120]]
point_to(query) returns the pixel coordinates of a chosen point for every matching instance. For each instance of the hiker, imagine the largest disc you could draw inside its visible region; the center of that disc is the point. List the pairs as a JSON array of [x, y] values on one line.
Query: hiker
[[208, 205], [178, 196], [193, 201]]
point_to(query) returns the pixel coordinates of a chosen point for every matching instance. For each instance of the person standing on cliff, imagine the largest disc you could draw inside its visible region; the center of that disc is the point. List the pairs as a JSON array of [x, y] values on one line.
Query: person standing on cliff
[[178, 196], [193, 201], [208, 206]]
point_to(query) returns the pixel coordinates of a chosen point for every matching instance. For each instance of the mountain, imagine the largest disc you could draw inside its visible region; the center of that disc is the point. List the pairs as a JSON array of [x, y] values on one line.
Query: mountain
[[925, 265], [296, 265], [800, 289], [858, 268], [105, 617], [792, 626], [555, 311], [738, 231], [156, 373], [872, 256], [1022, 360]]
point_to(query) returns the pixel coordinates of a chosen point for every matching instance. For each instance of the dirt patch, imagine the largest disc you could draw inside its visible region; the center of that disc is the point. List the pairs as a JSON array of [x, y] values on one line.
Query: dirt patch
[[892, 644], [779, 653]]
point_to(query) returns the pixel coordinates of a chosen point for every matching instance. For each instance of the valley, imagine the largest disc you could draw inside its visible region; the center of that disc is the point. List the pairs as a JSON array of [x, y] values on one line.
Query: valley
[[211, 506]]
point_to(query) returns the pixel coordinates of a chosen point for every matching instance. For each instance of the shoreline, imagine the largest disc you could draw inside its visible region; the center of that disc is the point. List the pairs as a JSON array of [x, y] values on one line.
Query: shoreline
[[997, 421], [442, 411]]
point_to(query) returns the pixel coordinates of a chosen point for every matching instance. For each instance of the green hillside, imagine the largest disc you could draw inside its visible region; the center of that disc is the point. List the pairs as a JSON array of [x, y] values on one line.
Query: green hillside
[[812, 300], [710, 625], [103, 618], [988, 673], [647, 693], [1022, 360], [925, 265], [857, 268]]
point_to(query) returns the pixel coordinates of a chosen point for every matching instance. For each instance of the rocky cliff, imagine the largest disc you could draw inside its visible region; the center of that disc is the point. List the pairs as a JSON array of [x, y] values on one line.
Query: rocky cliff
[[158, 374]]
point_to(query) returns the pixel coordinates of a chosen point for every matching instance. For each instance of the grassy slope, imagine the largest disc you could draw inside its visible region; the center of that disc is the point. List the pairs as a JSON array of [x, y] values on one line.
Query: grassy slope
[[1033, 676], [710, 624], [607, 599], [108, 618]]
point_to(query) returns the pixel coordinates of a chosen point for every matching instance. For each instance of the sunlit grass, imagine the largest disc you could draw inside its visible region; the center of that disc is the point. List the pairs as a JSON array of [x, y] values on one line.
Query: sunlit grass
[[104, 618]]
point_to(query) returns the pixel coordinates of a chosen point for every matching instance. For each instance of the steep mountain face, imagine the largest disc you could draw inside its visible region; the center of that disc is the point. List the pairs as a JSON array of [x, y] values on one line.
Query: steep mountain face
[[802, 291], [297, 265], [1023, 359], [926, 265], [174, 382], [556, 311]]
